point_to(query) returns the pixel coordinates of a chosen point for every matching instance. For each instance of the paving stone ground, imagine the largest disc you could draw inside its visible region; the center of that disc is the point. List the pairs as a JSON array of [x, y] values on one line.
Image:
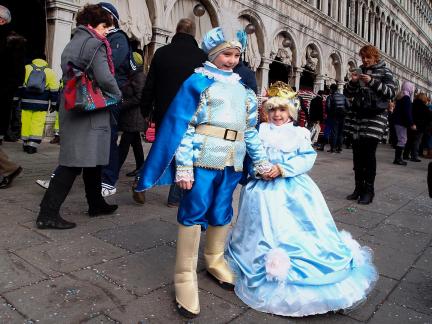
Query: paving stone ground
[[119, 268]]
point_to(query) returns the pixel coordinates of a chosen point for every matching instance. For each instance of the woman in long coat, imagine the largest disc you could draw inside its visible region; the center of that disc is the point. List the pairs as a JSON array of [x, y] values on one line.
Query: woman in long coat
[[85, 135]]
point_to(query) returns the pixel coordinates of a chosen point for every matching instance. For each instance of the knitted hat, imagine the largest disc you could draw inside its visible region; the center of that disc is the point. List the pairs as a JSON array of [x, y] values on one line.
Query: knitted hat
[[111, 9], [5, 14]]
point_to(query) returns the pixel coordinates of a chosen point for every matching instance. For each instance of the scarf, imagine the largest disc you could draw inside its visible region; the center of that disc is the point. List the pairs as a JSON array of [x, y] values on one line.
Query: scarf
[[107, 45]]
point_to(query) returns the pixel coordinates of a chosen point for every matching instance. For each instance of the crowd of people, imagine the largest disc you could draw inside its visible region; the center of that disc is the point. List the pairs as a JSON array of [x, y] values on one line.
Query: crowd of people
[[209, 138]]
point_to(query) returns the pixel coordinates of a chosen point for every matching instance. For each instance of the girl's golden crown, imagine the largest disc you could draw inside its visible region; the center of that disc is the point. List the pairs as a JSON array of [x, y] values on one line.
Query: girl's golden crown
[[282, 90]]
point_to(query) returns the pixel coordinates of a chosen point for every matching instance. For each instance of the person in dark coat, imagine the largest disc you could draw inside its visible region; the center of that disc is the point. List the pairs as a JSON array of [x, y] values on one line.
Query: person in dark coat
[[12, 56], [421, 119], [121, 56], [247, 75], [402, 119], [131, 120], [171, 65], [85, 135], [337, 106], [316, 115], [371, 88]]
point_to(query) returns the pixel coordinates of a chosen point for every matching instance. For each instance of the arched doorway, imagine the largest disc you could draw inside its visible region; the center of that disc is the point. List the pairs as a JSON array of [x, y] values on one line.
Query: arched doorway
[[29, 22], [310, 65], [284, 56]]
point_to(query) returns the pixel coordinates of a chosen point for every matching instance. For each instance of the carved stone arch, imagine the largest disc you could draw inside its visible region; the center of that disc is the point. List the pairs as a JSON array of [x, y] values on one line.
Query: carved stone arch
[[334, 66], [350, 65], [284, 57], [312, 45], [274, 46], [209, 20], [260, 29]]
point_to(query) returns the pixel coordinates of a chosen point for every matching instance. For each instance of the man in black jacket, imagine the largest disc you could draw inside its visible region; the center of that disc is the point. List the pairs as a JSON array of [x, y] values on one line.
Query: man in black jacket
[[171, 65], [337, 106]]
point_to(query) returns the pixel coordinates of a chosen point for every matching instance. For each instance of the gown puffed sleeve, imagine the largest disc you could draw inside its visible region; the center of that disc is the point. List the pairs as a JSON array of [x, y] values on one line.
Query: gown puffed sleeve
[[300, 161], [254, 146]]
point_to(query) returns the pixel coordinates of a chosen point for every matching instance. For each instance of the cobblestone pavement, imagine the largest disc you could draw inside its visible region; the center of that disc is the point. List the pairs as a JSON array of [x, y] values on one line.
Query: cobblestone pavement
[[119, 268]]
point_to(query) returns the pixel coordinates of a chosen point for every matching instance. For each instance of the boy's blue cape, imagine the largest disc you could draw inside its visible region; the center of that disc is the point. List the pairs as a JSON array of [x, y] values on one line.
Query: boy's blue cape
[[159, 167]]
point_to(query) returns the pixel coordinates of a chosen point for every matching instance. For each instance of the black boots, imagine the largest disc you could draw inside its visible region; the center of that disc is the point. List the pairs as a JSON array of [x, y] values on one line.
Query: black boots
[[49, 217], [101, 208], [398, 156], [357, 191], [54, 223], [367, 195]]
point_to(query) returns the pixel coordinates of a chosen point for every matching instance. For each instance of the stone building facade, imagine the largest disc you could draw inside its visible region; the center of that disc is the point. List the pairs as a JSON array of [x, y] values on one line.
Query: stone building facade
[[309, 43]]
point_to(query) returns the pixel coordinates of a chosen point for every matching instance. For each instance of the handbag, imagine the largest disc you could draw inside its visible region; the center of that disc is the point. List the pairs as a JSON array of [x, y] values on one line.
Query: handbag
[[150, 133], [81, 92]]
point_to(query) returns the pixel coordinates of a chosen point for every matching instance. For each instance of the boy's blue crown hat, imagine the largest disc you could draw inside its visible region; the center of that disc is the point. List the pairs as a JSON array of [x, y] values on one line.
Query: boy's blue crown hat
[[111, 9], [214, 41]]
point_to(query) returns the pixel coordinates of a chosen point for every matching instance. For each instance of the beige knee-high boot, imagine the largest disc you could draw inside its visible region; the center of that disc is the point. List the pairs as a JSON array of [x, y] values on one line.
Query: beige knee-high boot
[[214, 254], [185, 277]]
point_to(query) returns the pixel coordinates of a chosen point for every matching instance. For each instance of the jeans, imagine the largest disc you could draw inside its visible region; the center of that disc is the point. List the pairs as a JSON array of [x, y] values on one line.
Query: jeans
[[110, 172], [336, 133]]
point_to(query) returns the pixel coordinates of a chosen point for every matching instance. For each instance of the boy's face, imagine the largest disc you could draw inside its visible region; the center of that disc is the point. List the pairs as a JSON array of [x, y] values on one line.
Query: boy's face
[[228, 59], [278, 116]]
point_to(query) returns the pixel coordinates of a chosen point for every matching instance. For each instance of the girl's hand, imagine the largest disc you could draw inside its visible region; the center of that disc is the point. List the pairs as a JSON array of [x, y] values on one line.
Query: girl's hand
[[274, 172], [185, 185]]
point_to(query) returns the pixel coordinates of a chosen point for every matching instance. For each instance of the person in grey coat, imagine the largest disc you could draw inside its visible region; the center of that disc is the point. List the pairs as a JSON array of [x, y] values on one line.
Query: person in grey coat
[[85, 135]]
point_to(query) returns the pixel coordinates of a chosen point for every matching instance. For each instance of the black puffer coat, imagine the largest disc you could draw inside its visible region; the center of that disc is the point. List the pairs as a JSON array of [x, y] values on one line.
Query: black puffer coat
[[371, 122], [131, 119]]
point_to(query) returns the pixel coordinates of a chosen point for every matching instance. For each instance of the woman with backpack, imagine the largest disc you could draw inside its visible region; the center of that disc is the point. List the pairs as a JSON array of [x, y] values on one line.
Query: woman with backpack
[[85, 135]]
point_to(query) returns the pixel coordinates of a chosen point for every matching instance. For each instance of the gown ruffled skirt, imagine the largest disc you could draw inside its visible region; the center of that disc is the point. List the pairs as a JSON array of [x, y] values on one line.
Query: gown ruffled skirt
[[288, 255]]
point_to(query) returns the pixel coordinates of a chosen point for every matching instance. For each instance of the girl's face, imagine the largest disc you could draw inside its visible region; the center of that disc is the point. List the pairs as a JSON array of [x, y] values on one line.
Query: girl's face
[[228, 59], [102, 29], [278, 116]]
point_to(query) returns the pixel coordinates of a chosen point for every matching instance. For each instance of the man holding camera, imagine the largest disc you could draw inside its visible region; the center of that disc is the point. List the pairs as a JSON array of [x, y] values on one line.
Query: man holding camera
[[371, 87]]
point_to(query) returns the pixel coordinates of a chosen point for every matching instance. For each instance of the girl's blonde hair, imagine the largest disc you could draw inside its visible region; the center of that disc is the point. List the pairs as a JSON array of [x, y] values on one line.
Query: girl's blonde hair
[[291, 105]]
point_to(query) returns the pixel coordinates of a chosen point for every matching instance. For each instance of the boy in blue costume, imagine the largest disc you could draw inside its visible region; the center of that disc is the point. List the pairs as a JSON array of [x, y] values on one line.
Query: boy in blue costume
[[288, 255], [202, 142]]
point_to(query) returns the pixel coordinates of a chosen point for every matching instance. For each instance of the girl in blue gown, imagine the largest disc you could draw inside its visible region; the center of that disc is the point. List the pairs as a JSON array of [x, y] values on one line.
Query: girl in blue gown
[[288, 255]]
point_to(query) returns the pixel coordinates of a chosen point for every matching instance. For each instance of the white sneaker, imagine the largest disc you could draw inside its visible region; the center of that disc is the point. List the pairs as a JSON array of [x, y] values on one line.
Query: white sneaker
[[43, 183], [108, 190]]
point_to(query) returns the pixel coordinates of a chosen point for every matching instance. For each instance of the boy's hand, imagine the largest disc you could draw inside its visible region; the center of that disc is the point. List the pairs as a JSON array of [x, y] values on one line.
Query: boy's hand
[[185, 185]]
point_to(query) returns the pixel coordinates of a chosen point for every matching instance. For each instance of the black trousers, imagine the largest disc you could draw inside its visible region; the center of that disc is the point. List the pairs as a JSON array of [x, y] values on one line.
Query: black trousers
[[364, 159], [61, 184], [131, 139]]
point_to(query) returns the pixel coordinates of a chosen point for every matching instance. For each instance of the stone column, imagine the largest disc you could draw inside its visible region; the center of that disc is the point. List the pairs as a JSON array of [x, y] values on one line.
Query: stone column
[[372, 28], [60, 19], [262, 74], [340, 85], [342, 11], [324, 6], [313, 3], [297, 76], [366, 24], [319, 83]]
